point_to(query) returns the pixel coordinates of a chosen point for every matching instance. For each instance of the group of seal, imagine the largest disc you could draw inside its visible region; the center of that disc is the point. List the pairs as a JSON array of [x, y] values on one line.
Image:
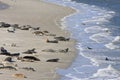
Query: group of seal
[[53, 51], [24, 58], [28, 57]]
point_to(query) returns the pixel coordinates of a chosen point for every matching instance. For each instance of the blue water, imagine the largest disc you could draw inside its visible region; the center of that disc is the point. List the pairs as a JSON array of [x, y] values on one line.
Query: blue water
[[96, 27]]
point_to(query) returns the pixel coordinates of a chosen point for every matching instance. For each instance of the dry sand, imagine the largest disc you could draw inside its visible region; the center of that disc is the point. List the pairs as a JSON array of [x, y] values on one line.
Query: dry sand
[[37, 14]]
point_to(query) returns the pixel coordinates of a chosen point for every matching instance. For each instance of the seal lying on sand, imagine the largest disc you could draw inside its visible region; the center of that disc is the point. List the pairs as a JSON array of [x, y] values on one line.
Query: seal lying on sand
[[15, 54], [30, 51], [29, 69], [25, 27], [9, 54], [62, 38], [9, 59], [5, 52], [50, 34], [35, 28], [64, 51], [49, 50], [51, 41], [40, 33], [28, 58], [53, 60], [60, 50], [8, 67], [4, 25]]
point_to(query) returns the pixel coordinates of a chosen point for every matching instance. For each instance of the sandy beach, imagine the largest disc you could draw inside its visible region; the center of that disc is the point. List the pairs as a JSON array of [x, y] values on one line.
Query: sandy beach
[[35, 13]]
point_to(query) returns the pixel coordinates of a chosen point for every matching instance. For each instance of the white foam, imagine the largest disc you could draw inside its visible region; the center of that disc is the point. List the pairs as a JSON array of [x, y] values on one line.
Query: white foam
[[115, 44], [86, 69], [95, 20], [116, 40], [100, 18], [72, 77], [95, 29], [101, 37], [112, 46], [107, 73], [111, 12]]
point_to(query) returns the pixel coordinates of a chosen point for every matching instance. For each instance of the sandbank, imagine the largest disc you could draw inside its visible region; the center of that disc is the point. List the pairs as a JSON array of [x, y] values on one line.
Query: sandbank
[[37, 14]]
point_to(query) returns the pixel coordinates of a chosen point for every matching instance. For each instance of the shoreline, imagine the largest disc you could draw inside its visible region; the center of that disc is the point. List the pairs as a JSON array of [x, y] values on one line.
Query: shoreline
[[47, 23]]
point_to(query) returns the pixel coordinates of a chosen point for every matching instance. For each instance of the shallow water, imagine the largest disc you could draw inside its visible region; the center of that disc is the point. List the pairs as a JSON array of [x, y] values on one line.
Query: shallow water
[[96, 27], [3, 6]]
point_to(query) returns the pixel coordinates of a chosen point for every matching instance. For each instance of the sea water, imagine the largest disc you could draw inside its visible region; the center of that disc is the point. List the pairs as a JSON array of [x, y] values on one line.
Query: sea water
[[96, 28]]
